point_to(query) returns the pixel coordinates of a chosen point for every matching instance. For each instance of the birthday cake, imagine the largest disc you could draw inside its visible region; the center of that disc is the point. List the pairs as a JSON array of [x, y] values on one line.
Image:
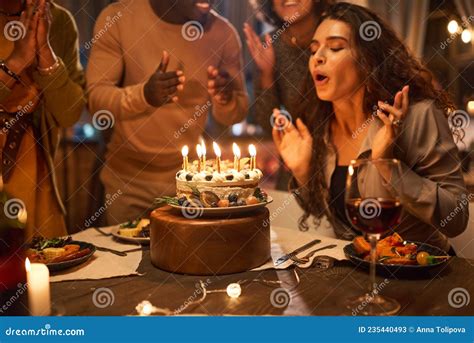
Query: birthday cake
[[230, 241], [216, 183]]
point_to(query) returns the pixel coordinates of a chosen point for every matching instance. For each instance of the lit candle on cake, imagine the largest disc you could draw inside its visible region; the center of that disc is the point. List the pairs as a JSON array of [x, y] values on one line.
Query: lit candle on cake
[[184, 152], [217, 151], [39, 296], [22, 216], [203, 150], [236, 150], [253, 155], [199, 153]]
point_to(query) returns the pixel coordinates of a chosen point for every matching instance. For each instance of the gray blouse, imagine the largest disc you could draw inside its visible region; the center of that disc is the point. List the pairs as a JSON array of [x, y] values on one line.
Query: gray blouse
[[433, 195]]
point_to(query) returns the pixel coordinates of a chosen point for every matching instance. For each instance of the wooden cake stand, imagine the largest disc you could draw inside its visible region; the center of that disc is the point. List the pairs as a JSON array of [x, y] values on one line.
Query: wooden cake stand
[[209, 246]]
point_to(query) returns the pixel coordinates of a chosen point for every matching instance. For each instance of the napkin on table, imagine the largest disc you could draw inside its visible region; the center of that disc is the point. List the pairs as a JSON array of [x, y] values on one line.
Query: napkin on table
[[102, 264]]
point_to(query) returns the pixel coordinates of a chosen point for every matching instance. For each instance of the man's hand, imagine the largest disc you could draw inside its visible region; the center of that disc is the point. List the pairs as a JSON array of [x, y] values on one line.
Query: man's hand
[[219, 85], [162, 87]]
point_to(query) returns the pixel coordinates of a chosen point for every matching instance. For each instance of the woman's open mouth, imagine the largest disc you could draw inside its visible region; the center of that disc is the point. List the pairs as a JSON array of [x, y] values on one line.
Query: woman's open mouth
[[203, 6], [320, 79], [290, 3]]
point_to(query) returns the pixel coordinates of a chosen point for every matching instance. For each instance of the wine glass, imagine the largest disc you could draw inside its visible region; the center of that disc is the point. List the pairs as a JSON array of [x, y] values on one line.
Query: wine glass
[[373, 207]]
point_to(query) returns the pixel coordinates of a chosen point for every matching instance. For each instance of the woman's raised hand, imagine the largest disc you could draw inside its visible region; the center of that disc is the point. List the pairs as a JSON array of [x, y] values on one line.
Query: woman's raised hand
[[262, 53], [295, 146], [382, 145], [24, 53]]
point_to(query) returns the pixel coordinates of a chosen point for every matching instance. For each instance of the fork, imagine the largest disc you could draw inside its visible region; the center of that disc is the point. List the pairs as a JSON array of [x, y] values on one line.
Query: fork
[[116, 252], [305, 259], [102, 232]]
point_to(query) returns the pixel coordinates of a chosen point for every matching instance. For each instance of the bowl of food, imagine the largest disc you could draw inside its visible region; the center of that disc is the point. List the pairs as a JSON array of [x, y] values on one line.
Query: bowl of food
[[396, 257], [134, 231], [59, 253]]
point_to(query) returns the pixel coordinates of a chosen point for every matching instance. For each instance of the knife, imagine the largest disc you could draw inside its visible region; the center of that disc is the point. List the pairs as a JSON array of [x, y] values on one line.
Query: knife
[[286, 257]]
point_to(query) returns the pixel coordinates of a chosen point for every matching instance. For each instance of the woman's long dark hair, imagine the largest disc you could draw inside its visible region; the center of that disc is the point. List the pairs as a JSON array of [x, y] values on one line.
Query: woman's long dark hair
[[386, 65]]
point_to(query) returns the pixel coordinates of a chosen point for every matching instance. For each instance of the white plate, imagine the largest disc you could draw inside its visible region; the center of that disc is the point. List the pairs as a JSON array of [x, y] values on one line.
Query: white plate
[[136, 240], [196, 212]]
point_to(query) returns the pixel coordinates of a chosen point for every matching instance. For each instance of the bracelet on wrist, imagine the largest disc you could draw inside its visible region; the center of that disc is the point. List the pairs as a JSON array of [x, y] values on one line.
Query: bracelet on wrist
[[51, 69], [9, 72]]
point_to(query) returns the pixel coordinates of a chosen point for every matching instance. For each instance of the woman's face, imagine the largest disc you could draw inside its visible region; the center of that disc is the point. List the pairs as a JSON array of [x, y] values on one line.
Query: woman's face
[[292, 10], [333, 62]]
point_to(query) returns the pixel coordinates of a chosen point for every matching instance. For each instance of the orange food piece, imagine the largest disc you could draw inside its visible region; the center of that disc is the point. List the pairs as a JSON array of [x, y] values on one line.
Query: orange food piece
[[399, 260], [71, 248], [361, 245]]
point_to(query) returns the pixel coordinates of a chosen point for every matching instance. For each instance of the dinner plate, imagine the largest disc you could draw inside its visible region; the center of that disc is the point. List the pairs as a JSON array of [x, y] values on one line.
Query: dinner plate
[[196, 212], [136, 240], [59, 266], [399, 270]]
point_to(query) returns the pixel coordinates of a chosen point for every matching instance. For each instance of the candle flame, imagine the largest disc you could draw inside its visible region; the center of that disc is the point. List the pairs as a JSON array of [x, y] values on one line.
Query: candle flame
[[27, 265], [252, 150], [199, 150], [236, 150], [217, 150], [185, 151]]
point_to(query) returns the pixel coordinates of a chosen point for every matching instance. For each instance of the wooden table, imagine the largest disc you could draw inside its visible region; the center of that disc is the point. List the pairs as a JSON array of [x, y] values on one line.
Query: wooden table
[[319, 292]]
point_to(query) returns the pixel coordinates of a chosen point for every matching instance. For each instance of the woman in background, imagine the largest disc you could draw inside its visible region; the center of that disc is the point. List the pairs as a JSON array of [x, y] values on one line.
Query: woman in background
[[349, 76], [281, 60], [41, 90]]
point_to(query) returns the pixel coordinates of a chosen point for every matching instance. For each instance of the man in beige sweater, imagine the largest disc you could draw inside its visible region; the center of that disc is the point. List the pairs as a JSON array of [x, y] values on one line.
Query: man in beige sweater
[[157, 67]]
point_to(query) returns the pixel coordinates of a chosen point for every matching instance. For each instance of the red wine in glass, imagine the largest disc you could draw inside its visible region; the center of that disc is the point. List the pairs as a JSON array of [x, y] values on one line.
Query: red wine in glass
[[374, 215], [372, 201]]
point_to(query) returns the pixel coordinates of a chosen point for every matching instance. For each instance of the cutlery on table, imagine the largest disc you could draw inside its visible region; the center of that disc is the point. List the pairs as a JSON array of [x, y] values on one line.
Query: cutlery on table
[[286, 257], [102, 232], [307, 258], [116, 252]]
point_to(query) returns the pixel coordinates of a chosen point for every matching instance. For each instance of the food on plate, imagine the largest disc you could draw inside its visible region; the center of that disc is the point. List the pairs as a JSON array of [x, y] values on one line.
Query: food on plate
[[394, 250], [138, 228], [54, 250]]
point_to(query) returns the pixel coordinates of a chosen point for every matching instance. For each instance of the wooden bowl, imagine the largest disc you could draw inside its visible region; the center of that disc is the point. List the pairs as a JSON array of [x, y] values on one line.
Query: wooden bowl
[[209, 246]]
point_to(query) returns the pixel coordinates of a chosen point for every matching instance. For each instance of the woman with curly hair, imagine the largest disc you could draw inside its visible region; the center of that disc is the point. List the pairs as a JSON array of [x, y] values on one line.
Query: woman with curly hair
[[350, 75], [281, 58]]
